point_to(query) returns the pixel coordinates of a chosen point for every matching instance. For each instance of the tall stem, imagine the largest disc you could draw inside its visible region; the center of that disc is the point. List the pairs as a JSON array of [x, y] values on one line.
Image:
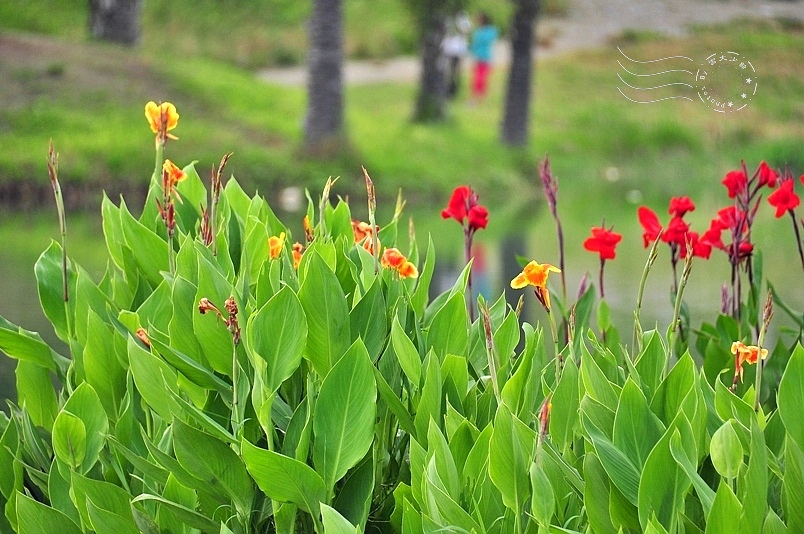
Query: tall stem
[[798, 237], [467, 244], [675, 325], [560, 236], [602, 265], [554, 332], [652, 255], [767, 314]]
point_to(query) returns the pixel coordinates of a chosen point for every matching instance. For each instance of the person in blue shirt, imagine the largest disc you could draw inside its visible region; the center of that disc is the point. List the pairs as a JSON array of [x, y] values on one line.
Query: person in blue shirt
[[482, 48]]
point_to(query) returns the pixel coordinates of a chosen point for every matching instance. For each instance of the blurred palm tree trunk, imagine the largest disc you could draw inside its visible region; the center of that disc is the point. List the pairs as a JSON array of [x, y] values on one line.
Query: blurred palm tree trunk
[[516, 119], [323, 127], [115, 20], [432, 87]]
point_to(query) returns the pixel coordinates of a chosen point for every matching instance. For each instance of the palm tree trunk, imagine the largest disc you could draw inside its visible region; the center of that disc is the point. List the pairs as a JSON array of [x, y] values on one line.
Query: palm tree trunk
[[115, 20], [516, 120], [323, 127], [432, 87]]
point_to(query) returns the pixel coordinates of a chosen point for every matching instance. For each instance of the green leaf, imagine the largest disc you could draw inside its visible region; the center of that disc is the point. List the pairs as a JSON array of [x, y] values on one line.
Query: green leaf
[[706, 495], [596, 495], [726, 451], [189, 517], [394, 404], [213, 336], [343, 419], [512, 443], [149, 250], [724, 518], [70, 439], [421, 294], [406, 353], [623, 473], [672, 391], [651, 362], [284, 479], [214, 463], [793, 485], [368, 320], [595, 383], [277, 333], [773, 525], [663, 483], [36, 518], [21, 344], [791, 396], [85, 404], [155, 380], [564, 414], [104, 496], [103, 521], [327, 314], [50, 285], [354, 496], [335, 523], [35, 393], [543, 501], [449, 330], [636, 428], [103, 371], [429, 406]]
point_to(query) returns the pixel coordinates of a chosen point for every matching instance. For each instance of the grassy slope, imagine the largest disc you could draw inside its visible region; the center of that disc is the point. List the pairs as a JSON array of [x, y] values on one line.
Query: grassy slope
[[89, 98]]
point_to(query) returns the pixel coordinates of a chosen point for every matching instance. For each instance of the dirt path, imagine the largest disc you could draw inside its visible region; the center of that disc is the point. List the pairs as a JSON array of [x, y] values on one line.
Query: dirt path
[[589, 24]]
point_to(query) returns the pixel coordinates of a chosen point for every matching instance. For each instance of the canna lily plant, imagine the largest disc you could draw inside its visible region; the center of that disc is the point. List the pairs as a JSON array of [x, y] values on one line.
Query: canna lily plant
[[247, 386]]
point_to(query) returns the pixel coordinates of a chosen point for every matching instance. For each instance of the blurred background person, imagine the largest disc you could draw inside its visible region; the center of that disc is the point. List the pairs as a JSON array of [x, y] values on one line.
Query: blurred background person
[[454, 49], [482, 46]]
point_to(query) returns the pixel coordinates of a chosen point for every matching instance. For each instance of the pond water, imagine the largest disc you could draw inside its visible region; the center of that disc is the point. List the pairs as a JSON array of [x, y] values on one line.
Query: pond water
[[510, 233]]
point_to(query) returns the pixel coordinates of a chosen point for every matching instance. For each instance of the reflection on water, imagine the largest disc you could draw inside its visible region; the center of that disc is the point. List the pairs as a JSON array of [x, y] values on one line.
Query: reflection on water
[[19, 301]]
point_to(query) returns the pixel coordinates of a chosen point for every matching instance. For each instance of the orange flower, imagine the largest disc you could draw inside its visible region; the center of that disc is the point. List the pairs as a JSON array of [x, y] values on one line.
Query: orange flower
[[393, 259], [408, 270], [156, 114], [309, 234], [173, 174], [535, 274], [298, 249], [745, 354], [142, 335], [275, 245], [363, 233]]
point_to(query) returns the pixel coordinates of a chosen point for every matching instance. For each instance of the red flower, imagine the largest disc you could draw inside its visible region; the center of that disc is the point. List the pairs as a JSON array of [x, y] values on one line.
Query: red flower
[[713, 235], [700, 248], [457, 204], [676, 232], [478, 217], [767, 175], [463, 203], [784, 199], [602, 241], [650, 223], [680, 205], [745, 249], [736, 182]]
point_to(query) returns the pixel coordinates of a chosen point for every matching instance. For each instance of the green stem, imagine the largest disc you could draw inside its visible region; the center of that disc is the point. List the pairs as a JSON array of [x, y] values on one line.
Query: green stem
[[160, 155], [675, 324], [236, 422], [554, 332], [171, 254], [652, 255]]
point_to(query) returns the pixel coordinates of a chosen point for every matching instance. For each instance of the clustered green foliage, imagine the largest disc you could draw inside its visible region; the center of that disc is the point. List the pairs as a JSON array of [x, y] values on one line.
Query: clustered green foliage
[[343, 399]]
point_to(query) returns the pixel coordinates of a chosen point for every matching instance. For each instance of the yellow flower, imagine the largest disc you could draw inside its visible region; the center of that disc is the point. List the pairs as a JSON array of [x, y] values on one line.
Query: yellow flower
[[298, 250], [275, 245], [535, 274], [156, 114], [408, 270], [745, 354], [173, 174]]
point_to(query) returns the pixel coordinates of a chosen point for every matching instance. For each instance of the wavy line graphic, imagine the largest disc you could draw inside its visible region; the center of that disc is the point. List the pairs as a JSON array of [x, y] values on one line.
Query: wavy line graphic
[[652, 101], [654, 60], [684, 71]]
